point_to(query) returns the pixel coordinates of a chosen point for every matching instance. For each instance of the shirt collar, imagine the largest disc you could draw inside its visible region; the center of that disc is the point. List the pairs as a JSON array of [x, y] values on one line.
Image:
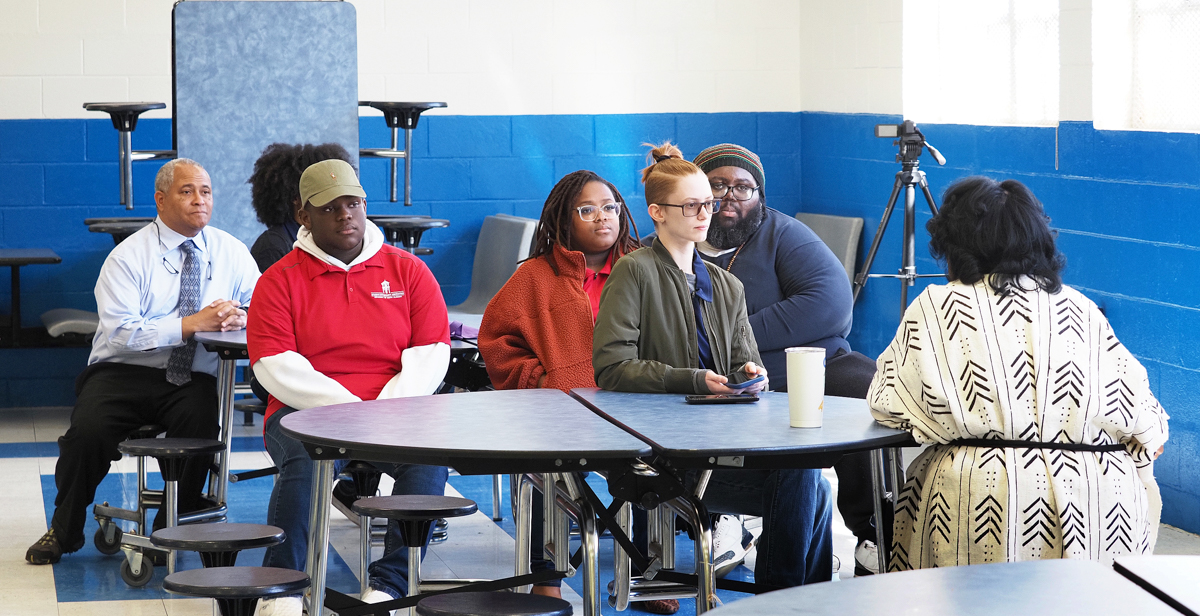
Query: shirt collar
[[169, 239], [607, 269], [704, 288]]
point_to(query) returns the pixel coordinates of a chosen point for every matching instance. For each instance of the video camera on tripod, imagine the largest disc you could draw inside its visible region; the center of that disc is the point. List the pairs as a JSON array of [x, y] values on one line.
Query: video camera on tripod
[[911, 142]]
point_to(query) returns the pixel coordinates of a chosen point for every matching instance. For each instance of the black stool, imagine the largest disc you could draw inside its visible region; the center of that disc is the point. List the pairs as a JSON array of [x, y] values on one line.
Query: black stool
[[218, 544], [236, 589], [108, 536], [249, 407], [407, 230], [124, 118], [397, 116], [172, 454], [415, 514], [492, 604]]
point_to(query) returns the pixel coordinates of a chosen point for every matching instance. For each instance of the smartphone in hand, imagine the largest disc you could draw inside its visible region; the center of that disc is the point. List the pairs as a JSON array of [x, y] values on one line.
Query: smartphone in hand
[[744, 384]]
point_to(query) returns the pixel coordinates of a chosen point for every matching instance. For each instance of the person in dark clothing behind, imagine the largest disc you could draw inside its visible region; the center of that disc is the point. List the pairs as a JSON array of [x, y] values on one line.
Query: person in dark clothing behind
[[797, 294], [275, 194]]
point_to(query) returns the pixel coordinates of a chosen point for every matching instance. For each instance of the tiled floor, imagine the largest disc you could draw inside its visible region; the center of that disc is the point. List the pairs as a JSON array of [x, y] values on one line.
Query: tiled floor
[[87, 582]]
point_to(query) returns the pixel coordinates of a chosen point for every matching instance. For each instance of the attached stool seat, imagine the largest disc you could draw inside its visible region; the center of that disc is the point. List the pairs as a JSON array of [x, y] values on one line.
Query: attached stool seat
[[407, 230], [70, 321], [492, 604], [172, 454], [218, 544], [415, 514], [236, 589]]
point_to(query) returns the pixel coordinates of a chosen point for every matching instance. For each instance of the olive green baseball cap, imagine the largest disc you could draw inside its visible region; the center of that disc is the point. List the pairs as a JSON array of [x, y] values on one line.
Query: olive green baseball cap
[[327, 180]]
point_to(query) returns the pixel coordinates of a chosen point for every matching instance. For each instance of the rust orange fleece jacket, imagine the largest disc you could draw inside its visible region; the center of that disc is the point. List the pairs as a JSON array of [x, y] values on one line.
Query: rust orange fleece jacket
[[540, 323]]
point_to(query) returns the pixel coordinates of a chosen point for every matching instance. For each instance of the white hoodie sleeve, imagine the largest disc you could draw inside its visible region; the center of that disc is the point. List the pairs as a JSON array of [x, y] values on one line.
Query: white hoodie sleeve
[[293, 381], [424, 369]]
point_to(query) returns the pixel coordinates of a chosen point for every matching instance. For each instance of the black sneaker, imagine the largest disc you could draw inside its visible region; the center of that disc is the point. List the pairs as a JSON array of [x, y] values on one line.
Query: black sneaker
[[46, 551]]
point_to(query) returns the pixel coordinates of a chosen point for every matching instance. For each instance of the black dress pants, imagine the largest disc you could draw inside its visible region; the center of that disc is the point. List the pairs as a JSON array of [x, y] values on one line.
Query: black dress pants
[[113, 400]]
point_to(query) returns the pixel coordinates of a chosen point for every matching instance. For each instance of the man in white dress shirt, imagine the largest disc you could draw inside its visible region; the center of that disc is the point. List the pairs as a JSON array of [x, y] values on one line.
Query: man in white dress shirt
[[171, 279]]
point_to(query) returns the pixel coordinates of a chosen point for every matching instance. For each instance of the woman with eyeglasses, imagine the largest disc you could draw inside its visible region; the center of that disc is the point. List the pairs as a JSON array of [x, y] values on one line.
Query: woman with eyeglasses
[[671, 322], [537, 330]]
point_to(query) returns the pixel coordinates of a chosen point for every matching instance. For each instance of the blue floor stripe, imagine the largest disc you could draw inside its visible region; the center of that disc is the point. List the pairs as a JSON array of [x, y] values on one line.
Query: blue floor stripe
[[88, 575]]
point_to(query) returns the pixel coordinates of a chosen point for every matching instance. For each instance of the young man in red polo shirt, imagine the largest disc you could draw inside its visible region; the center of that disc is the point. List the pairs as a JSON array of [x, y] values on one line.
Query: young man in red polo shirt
[[342, 318]]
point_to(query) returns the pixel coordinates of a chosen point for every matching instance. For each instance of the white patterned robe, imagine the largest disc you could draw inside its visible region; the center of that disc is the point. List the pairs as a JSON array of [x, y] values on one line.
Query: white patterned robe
[[968, 364]]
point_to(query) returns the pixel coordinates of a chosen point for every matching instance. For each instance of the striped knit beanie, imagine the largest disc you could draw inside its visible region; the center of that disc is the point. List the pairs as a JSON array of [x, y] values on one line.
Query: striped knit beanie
[[729, 155]]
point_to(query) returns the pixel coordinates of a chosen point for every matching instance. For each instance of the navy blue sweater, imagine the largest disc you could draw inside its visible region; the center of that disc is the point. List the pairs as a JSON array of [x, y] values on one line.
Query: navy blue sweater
[[797, 292]]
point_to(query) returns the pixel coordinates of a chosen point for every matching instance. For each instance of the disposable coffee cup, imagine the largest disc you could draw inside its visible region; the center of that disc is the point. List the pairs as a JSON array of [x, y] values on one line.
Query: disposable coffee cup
[[806, 386]]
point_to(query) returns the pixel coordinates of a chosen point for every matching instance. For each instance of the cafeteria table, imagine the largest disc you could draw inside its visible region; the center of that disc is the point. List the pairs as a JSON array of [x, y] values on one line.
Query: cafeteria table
[[1173, 579], [748, 436], [477, 433], [16, 258], [1059, 587]]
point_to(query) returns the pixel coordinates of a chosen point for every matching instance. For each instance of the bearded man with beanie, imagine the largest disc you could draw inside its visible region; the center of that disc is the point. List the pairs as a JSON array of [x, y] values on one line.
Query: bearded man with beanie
[[797, 294]]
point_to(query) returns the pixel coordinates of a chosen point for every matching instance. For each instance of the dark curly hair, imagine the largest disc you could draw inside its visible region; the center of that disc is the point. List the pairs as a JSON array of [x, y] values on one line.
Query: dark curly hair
[[997, 230], [275, 183], [555, 224]]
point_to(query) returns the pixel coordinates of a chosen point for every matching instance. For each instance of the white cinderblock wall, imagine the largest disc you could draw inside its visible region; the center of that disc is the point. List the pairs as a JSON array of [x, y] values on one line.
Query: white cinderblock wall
[[500, 56]]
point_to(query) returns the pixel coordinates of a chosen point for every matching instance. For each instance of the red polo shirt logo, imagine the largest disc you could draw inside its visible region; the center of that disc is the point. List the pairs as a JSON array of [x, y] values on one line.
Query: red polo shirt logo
[[387, 293]]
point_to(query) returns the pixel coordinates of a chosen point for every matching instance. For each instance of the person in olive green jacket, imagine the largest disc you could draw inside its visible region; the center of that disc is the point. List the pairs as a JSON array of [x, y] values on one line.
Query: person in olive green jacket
[[670, 322]]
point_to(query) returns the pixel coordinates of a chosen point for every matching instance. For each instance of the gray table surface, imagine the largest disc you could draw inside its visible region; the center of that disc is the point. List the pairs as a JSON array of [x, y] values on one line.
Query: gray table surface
[[1059, 587], [28, 256], [1174, 579], [759, 430], [525, 430], [232, 340]]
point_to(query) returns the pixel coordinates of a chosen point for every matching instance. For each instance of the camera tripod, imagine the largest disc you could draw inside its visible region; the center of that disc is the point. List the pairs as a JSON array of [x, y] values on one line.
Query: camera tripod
[[911, 143]]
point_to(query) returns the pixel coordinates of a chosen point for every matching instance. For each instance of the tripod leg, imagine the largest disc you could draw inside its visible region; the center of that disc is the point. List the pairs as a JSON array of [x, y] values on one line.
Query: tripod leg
[[861, 279], [908, 266], [928, 195]]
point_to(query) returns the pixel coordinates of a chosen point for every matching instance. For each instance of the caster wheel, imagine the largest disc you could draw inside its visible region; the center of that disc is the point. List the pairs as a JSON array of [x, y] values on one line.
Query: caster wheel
[[140, 580], [104, 545]]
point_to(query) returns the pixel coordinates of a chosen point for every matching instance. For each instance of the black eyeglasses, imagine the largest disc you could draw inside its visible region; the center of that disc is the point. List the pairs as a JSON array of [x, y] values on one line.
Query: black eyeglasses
[[693, 209], [740, 192], [592, 213]]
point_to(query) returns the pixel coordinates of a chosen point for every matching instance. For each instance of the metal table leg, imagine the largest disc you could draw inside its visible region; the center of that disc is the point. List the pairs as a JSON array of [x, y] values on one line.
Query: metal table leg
[[225, 379], [318, 535], [696, 514], [878, 490]]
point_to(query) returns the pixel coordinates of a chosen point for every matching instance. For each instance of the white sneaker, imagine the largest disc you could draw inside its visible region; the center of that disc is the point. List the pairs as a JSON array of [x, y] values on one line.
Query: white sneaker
[[279, 606], [866, 558], [731, 541], [837, 564], [377, 596]]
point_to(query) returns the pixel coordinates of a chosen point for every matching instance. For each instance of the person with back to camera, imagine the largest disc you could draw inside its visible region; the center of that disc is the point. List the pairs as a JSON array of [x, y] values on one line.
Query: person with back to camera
[[537, 330], [1043, 427], [275, 194], [670, 322]]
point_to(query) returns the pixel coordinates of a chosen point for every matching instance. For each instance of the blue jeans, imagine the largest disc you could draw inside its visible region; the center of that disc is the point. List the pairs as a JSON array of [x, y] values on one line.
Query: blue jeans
[[796, 546], [290, 505]]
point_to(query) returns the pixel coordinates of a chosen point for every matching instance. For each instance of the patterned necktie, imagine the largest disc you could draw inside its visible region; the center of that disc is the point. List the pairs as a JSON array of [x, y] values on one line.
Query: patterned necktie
[[179, 366]]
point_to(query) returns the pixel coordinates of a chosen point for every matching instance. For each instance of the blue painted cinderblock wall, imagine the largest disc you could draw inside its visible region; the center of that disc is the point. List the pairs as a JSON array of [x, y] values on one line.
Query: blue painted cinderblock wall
[[1127, 209], [1127, 206]]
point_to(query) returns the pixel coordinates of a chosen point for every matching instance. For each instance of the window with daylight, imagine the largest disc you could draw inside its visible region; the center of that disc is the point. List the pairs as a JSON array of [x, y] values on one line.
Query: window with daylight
[[1146, 65], [991, 62]]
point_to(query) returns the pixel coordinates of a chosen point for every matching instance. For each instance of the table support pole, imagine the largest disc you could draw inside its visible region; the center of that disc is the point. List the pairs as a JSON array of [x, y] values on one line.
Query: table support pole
[[589, 542], [318, 535], [496, 494], [878, 490], [16, 306], [696, 514], [225, 377], [621, 564], [396, 144], [407, 168], [523, 520]]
